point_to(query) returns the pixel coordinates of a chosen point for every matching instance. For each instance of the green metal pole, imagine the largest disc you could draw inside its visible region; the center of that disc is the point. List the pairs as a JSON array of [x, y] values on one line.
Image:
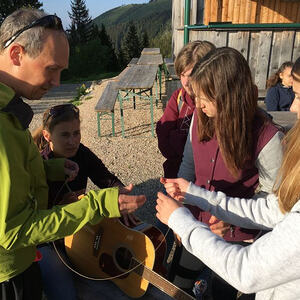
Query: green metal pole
[[187, 8]]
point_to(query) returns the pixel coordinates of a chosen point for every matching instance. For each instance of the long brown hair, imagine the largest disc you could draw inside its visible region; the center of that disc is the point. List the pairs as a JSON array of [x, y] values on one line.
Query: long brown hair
[[51, 117], [275, 78], [288, 187], [224, 77]]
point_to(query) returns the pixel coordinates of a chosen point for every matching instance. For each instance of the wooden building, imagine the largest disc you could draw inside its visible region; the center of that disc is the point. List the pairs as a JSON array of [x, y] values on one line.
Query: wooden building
[[266, 32]]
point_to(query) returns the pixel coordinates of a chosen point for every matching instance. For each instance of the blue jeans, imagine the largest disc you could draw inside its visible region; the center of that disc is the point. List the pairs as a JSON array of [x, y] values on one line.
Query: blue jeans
[[57, 279]]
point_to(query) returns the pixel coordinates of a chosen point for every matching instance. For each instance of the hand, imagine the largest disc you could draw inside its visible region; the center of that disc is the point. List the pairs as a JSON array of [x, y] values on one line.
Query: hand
[[129, 203], [165, 206], [218, 227], [176, 188], [129, 220], [71, 169], [126, 189]]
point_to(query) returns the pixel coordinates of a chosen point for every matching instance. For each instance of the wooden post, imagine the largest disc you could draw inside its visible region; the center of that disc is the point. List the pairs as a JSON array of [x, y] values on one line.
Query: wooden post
[[230, 10]]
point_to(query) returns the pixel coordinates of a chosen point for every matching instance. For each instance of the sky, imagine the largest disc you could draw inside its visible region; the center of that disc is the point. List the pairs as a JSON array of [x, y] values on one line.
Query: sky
[[95, 7]]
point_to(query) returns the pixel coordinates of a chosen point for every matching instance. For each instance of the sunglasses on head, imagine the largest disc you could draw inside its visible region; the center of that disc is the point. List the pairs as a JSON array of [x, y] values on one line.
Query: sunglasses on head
[[58, 110], [50, 21]]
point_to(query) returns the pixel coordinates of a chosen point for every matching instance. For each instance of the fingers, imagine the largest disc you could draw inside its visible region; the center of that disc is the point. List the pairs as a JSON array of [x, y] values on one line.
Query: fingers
[[125, 219], [220, 228], [212, 219], [126, 189], [71, 169], [128, 204]]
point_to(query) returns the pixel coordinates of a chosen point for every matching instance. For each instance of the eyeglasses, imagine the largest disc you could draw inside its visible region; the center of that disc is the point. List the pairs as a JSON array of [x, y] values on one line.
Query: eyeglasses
[[50, 21], [58, 110]]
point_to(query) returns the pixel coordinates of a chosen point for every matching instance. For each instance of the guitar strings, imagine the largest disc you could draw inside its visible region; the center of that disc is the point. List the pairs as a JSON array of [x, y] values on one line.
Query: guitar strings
[[107, 278]]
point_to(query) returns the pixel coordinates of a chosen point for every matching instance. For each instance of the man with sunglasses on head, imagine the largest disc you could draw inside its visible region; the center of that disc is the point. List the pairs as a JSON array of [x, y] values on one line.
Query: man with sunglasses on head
[[33, 52]]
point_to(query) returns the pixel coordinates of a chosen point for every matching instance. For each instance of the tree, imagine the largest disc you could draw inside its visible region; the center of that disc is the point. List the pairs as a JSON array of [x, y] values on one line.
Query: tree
[[81, 22], [121, 59], [131, 44], [145, 40], [9, 6]]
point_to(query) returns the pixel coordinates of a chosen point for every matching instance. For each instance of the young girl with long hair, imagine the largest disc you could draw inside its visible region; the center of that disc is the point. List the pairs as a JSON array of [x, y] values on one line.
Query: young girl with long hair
[[232, 146], [173, 127], [268, 267], [59, 136], [280, 94]]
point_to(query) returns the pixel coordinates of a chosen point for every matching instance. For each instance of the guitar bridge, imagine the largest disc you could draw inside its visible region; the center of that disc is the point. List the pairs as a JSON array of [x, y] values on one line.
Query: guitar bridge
[[97, 241]]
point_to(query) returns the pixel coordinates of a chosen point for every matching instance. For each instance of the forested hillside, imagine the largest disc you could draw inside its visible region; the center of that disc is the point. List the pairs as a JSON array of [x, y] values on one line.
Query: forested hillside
[[154, 18]]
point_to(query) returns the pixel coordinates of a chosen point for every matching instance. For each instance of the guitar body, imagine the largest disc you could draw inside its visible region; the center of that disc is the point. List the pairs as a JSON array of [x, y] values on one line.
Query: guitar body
[[106, 250]]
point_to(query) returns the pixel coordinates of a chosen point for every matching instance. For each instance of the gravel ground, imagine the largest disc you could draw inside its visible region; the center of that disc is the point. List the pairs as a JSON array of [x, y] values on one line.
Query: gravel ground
[[134, 159]]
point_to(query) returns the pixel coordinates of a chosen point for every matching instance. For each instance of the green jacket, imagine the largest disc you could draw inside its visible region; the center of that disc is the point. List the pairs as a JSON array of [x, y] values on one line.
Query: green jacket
[[24, 219]]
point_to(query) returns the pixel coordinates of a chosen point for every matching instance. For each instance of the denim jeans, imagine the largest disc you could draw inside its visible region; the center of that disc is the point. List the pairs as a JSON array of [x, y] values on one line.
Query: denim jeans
[[57, 279]]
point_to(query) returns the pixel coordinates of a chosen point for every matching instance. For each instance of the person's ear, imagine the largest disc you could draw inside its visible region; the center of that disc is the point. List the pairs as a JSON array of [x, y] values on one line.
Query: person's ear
[[47, 135], [281, 75], [16, 52]]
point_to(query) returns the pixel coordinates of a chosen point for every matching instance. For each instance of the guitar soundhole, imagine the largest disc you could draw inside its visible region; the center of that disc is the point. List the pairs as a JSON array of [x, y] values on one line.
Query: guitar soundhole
[[123, 258]]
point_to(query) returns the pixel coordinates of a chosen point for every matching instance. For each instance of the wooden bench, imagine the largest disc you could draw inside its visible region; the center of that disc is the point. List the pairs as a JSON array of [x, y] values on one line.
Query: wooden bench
[[106, 105]]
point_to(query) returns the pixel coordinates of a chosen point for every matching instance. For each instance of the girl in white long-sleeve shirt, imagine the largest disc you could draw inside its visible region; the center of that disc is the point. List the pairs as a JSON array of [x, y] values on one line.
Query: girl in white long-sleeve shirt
[[270, 267]]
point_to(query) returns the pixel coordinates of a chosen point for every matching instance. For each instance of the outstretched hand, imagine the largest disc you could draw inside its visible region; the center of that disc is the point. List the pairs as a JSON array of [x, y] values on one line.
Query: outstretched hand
[[165, 207], [127, 219], [129, 203], [175, 187]]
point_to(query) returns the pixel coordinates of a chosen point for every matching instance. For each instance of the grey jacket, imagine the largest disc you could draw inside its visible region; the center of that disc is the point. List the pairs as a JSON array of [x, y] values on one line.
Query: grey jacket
[[270, 267]]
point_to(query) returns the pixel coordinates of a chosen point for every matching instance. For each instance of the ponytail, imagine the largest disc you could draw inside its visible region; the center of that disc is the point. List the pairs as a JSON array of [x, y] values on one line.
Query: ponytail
[[39, 139]]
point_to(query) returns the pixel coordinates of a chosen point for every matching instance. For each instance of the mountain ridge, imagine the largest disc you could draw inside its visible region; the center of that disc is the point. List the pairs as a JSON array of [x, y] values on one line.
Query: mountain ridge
[[158, 13]]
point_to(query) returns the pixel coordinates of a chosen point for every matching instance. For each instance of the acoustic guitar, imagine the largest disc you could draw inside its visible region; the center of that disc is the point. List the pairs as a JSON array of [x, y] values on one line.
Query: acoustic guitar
[[126, 256]]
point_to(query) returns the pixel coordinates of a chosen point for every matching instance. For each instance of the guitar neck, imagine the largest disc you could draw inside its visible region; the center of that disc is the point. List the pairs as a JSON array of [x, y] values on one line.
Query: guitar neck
[[160, 282]]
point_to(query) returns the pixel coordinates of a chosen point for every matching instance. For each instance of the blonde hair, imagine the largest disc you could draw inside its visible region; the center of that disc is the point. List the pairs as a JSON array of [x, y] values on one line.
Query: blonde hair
[[190, 54], [288, 190]]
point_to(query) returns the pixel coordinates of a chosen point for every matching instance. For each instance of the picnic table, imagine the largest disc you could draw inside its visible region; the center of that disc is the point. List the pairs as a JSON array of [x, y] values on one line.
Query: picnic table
[[155, 59], [138, 80], [150, 51]]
